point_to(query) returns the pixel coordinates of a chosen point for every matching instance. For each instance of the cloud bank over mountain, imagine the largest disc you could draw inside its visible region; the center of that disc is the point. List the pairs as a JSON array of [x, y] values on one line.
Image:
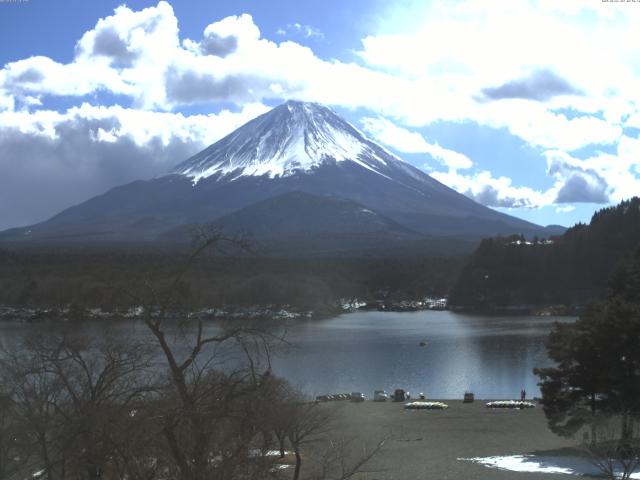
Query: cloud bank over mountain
[[537, 71]]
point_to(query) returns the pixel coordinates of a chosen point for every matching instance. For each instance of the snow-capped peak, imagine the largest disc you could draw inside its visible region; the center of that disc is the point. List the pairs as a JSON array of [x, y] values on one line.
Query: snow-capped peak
[[293, 137]]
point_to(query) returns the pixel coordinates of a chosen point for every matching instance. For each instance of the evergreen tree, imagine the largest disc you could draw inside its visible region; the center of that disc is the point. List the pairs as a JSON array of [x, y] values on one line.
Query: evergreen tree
[[572, 269], [597, 372]]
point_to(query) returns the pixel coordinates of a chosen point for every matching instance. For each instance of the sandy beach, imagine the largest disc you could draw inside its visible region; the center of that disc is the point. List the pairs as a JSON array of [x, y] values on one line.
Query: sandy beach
[[429, 444]]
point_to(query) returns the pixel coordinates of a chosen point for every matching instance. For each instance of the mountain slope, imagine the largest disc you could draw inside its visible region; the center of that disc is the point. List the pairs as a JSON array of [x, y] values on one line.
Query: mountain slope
[[299, 213], [304, 225], [296, 147], [295, 137]]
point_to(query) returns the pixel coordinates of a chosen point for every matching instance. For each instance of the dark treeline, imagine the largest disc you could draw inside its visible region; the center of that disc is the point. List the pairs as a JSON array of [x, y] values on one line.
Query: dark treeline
[[97, 279], [571, 270], [503, 272]]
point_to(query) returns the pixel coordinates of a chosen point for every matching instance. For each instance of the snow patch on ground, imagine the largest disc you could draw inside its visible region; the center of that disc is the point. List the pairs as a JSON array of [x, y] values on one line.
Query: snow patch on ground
[[541, 464], [256, 452]]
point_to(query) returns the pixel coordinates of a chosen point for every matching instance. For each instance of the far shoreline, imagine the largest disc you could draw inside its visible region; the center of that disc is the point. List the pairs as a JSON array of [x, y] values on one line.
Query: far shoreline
[[71, 314]]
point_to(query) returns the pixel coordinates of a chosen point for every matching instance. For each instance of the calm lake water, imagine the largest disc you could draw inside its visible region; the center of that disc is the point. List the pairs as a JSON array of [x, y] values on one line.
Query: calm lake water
[[490, 356]]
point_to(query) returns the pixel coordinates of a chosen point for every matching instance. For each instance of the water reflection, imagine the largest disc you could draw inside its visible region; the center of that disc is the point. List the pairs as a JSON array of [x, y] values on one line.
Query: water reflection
[[491, 356]]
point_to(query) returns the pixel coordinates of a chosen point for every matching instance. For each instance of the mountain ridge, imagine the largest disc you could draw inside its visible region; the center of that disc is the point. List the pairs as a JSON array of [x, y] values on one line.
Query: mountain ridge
[[295, 146], [306, 135]]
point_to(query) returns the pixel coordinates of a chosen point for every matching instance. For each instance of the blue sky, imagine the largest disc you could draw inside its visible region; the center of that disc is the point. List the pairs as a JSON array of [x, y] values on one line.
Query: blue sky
[[524, 106]]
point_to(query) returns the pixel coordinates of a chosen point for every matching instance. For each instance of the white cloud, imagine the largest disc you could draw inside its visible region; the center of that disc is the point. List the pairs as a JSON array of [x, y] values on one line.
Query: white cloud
[[579, 182], [68, 157], [602, 178], [300, 29], [141, 126], [452, 159], [407, 141], [572, 183], [495, 42], [126, 53], [41, 75], [7, 102], [139, 54], [494, 192], [575, 181], [463, 49], [565, 209], [431, 66], [472, 45], [390, 134], [618, 171], [541, 127]]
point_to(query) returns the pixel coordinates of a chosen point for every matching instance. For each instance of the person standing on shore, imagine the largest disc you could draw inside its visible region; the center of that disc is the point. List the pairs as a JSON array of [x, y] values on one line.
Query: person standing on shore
[[523, 394]]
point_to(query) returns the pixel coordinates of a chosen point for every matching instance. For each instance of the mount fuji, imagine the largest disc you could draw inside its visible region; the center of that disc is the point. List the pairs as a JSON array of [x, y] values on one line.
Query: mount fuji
[[297, 178]]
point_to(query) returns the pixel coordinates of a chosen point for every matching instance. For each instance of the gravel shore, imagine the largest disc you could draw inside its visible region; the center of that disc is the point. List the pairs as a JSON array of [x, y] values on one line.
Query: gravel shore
[[428, 444]]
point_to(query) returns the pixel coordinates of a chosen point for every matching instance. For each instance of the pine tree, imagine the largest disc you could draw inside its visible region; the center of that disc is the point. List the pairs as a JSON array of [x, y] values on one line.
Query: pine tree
[[597, 372]]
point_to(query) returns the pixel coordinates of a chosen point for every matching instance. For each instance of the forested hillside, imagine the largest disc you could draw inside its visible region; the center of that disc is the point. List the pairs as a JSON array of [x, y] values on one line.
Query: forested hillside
[[572, 269], [110, 280]]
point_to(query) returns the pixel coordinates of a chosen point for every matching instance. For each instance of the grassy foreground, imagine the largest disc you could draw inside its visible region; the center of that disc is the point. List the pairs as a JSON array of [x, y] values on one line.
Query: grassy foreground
[[426, 444]]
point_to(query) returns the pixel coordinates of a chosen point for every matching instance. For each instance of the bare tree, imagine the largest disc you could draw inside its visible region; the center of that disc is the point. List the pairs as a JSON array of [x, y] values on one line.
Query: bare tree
[[204, 413], [339, 461], [616, 453], [13, 454], [308, 420], [311, 430], [197, 402], [219, 411], [35, 394], [273, 417], [72, 399]]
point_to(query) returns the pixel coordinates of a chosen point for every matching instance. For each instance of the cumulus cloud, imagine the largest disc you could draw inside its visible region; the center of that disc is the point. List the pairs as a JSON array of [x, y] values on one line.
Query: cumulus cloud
[[472, 44], [214, 44], [483, 186], [599, 179], [69, 157], [550, 130], [300, 29], [29, 75], [492, 197], [127, 35], [541, 85], [223, 37], [139, 54], [186, 87], [41, 75], [565, 209], [492, 191], [403, 140], [101, 165], [72, 167], [581, 188], [107, 42]]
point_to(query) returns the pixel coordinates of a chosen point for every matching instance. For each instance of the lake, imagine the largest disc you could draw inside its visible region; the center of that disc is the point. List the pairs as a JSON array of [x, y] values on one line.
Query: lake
[[492, 356]]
